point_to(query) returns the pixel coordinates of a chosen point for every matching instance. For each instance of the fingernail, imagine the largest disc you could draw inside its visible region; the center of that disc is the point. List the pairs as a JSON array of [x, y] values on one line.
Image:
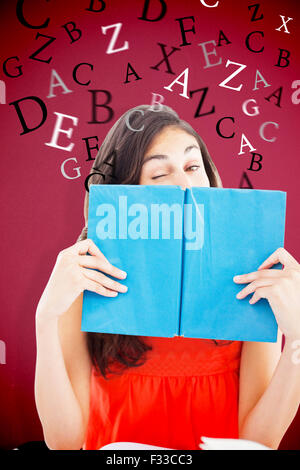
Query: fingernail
[[237, 278], [123, 274], [238, 295], [124, 288]]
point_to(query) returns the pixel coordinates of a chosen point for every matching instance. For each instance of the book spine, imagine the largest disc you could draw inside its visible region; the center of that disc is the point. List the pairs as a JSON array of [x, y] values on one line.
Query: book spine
[[182, 265]]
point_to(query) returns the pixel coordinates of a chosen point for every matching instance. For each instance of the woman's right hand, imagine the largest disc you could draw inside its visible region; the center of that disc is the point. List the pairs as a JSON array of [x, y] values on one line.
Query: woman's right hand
[[73, 273]]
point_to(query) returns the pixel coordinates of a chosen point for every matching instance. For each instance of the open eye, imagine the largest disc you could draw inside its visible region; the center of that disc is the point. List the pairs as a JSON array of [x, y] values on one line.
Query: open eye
[[194, 166]]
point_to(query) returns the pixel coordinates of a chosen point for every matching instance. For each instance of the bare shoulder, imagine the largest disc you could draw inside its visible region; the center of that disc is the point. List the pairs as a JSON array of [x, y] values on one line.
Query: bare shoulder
[[75, 352]]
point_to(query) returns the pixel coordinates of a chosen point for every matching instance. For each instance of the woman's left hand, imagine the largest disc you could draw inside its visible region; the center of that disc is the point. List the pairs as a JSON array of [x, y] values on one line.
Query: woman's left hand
[[280, 287]]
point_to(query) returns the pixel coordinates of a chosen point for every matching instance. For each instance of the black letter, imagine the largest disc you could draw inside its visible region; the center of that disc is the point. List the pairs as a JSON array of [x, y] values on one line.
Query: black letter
[[245, 177], [42, 105], [131, 73], [218, 128], [247, 41], [277, 94], [22, 20], [282, 57], [91, 7], [204, 90], [97, 172], [19, 67], [222, 37], [256, 7], [183, 31], [33, 56], [111, 155], [75, 71], [165, 59], [104, 105], [255, 161], [145, 11], [65, 26], [88, 148]]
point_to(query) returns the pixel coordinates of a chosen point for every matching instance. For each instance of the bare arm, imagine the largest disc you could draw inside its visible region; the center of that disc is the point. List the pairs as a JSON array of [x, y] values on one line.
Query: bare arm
[[270, 382], [267, 409], [62, 379], [63, 365]]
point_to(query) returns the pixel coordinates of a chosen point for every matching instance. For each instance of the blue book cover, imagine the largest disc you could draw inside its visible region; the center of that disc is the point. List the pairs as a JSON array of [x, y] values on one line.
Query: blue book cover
[[239, 229], [181, 250], [129, 224]]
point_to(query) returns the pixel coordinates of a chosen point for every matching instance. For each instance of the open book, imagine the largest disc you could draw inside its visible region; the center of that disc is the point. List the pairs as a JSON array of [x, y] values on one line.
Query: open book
[[208, 443], [181, 250]]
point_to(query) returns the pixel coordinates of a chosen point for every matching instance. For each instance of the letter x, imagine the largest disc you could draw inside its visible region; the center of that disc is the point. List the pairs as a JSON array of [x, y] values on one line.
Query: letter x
[[284, 23]]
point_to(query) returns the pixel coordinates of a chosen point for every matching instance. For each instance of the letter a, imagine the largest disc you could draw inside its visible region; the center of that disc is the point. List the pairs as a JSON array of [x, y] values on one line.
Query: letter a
[[247, 144], [55, 76], [183, 84]]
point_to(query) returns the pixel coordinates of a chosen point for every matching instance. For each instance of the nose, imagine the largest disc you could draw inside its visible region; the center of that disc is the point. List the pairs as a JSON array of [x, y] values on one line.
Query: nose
[[181, 179]]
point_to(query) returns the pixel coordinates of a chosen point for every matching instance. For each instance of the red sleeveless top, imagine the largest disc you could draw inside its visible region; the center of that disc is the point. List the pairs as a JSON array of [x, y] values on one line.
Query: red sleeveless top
[[186, 389]]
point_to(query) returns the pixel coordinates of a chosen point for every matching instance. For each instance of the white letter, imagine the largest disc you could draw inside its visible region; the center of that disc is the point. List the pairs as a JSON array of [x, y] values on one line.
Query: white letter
[[127, 120], [2, 352], [295, 98], [54, 75], [165, 211], [2, 92], [241, 67], [209, 6], [206, 54], [57, 130], [188, 226], [261, 130], [295, 345], [140, 221], [110, 49], [284, 24], [247, 144], [154, 102], [109, 221], [256, 109], [63, 169], [184, 84], [260, 80]]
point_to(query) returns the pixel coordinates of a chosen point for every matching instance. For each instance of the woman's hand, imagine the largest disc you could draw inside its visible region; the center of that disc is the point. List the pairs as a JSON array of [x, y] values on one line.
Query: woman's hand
[[71, 275], [280, 287]]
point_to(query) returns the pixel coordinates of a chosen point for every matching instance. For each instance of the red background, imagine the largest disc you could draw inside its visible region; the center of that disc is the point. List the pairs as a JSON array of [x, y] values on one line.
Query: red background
[[42, 212]]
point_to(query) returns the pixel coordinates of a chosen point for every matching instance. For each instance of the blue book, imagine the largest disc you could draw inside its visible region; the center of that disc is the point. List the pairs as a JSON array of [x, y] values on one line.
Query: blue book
[[181, 250]]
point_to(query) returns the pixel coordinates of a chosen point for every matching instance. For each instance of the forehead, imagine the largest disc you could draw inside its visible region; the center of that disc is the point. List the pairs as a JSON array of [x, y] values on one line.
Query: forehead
[[171, 137]]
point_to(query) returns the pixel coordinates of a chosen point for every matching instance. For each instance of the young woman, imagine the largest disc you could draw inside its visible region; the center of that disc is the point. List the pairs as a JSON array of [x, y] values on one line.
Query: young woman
[[92, 389]]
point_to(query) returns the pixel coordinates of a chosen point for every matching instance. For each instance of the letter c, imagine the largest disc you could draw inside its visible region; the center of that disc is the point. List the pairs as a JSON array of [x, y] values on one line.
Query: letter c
[[22, 20], [127, 120], [261, 130], [218, 128], [209, 6]]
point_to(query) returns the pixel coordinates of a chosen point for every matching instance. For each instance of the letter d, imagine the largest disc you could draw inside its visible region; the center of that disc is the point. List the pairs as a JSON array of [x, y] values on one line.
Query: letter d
[[27, 129]]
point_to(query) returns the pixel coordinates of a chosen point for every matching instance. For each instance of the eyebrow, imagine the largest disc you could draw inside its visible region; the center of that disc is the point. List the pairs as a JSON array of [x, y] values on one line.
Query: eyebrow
[[165, 157]]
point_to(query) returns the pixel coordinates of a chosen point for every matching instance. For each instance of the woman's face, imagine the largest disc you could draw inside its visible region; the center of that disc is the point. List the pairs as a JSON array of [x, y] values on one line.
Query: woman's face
[[174, 157]]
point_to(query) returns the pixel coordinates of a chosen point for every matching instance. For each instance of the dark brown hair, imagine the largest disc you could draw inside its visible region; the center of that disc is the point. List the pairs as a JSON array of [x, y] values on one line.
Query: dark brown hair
[[119, 161]]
